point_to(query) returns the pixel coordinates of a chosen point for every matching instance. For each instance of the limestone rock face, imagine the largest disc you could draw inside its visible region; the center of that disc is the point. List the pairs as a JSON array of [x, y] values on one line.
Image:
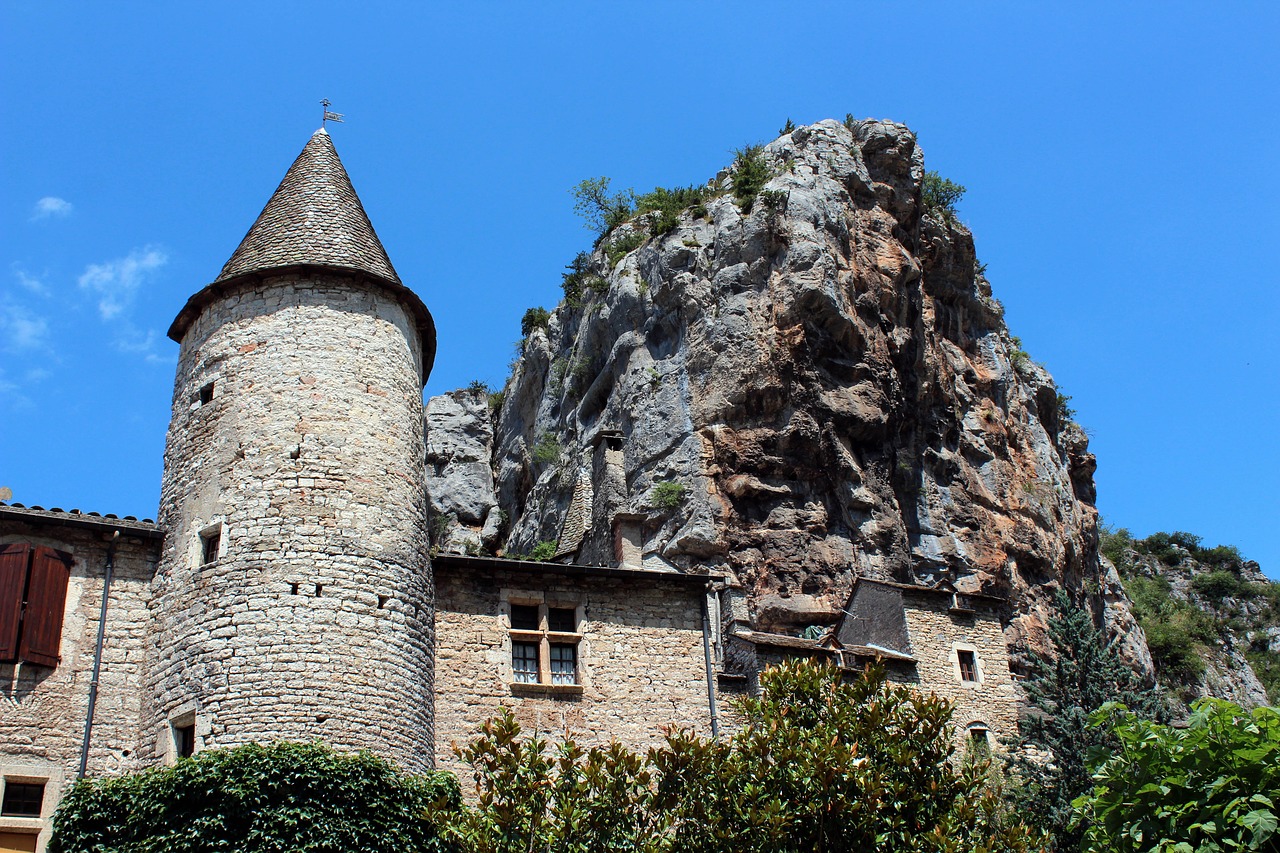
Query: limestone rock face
[[460, 494], [826, 381]]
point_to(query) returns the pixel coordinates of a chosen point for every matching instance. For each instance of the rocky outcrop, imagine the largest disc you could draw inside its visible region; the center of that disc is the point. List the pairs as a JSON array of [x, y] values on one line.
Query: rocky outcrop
[[464, 513], [810, 385]]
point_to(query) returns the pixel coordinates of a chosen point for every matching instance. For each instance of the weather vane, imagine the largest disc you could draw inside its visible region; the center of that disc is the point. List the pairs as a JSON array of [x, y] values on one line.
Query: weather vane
[[328, 116]]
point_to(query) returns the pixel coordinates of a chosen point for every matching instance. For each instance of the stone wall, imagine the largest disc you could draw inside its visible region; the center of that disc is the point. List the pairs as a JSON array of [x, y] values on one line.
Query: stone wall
[[641, 658], [936, 635], [43, 709], [296, 435]]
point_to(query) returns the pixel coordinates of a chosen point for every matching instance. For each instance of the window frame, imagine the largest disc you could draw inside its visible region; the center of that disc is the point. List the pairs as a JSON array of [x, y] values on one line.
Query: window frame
[[550, 674], [967, 665], [11, 782]]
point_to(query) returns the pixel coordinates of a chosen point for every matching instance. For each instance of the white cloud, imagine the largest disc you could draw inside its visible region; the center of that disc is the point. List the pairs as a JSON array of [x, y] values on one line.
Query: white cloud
[[51, 207], [116, 282], [20, 329], [131, 340], [30, 282]]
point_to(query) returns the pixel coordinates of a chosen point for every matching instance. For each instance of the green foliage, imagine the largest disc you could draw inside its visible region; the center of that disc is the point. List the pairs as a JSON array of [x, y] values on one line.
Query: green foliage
[[496, 399], [1212, 786], [1065, 412], [788, 127], [821, 763], [849, 121], [1063, 691], [668, 204], [544, 551], [283, 796], [475, 387], [667, 495], [1173, 627], [620, 247], [580, 279], [1113, 542], [1266, 665], [548, 450], [750, 174], [774, 200], [1018, 359], [601, 210], [535, 318], [1219, 584], [940, 195]]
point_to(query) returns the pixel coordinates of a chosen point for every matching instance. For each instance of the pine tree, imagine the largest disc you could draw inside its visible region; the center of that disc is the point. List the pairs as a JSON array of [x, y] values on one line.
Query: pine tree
[[1063, 691]]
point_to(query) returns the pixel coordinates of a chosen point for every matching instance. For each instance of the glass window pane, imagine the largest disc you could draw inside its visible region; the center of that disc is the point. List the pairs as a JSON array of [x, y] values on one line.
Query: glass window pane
[[968, 666], [562, 619], [524, 617], [23, 799], [524, 662], [564, 663]]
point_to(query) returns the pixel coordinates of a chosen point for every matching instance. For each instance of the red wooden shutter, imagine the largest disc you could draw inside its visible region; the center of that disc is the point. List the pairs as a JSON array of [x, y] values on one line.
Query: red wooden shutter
[[46, 601], [13, 581]]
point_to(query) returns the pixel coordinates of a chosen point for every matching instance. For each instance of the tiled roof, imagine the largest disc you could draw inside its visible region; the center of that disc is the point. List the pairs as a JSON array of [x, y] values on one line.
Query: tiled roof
[[17, 512], [314, 218]]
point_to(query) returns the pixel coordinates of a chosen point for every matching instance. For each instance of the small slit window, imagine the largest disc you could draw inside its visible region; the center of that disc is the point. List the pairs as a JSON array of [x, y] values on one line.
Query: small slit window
[[22, 799], [206, 394], [968, 665], [210, 543], [184, 740]]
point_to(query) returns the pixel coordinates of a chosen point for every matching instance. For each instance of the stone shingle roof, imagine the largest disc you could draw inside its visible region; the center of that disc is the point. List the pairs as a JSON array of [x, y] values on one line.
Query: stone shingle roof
[[314, 217]]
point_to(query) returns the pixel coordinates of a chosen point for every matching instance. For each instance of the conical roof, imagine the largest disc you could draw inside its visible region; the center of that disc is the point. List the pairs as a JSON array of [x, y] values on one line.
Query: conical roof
[[313, 218]]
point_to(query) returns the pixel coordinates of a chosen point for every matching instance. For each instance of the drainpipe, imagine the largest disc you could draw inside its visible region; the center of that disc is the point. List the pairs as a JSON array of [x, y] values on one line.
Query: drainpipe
[[97, 653], [706, 656]]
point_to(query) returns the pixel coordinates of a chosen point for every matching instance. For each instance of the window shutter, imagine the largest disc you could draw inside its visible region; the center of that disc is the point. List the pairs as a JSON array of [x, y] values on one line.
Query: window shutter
[[13, 581], [46, 600]]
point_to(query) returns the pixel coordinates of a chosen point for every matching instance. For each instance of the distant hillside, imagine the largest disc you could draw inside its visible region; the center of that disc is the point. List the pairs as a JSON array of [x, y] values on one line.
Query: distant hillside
[[1211, 618]]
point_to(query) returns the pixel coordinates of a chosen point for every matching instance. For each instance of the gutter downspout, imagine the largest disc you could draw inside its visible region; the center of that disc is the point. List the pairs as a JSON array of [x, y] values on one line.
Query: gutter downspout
[[706, 655], [97, 653]]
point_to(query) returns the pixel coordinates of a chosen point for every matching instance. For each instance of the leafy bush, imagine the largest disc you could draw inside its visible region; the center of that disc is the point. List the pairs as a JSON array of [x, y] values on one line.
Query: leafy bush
[[282, 796], [475, 387], [601, 210], [580, 279], [940, 195], [535, 318], [820, 763], [619, 248], [668, 204], [1065, 412], [1212, 786], [788, 127], [1165, 546], [496, 399], [548, 450], [750, 174], [1220, 584], [1113, 542], [544, 551], [667, 495]]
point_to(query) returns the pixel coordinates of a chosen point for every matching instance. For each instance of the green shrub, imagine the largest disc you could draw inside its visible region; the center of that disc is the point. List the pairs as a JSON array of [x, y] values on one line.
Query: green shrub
[[544, 551], [620, 247], [1113, 542], [1172, 643], [940, 195], [788, 127], [667, 495], [254, 799], [1065, 412], [1219, 584], [1221, 555], [823, 761], [1211, 786], [750, 174], [774, 200], [475, 387], [535, 318], [496, 399], [1266, 665], [849, 121], [601, 210], [580, 279], [668, 204], [548, 450]]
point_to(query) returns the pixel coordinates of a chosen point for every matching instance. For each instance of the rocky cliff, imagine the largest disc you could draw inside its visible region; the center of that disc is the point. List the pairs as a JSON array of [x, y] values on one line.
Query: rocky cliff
[[1211, 618], [792, 384]]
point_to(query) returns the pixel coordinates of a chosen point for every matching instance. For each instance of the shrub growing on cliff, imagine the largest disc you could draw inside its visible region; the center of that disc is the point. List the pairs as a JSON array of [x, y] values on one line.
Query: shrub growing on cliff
[[940, 195], [601, 210], [1212, 786], [750, 174], [285, 796], [822, 763], [534, 318], [667, 495], [667, 204]]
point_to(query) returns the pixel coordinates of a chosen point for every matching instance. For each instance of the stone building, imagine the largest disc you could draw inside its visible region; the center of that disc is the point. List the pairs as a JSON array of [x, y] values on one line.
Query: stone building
[[287, 592]]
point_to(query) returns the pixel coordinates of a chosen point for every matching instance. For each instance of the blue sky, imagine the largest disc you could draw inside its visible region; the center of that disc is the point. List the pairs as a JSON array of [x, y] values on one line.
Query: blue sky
[[1121, 161]]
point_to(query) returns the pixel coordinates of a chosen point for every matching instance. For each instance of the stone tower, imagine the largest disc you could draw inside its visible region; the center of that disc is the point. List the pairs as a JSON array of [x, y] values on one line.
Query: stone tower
[[294, 597]]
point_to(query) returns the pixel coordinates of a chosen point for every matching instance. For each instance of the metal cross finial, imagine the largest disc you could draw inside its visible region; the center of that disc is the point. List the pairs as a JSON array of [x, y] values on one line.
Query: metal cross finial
[[328, 116]]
